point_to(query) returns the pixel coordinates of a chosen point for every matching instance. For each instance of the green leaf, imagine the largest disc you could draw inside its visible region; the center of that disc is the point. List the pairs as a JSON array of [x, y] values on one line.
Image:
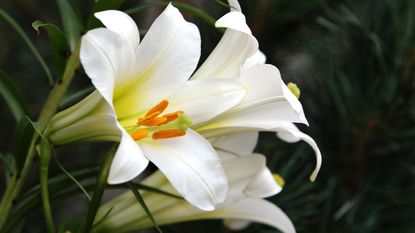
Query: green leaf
[[72, 178], [58, 41], [72, 21], [23, 135], [141, 201], [12, 96], [155, 190], [29, 43], [45, 156], [101, 5]]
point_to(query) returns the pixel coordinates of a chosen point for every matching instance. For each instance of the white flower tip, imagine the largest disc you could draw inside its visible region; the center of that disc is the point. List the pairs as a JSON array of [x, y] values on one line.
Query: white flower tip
[[234, 20]]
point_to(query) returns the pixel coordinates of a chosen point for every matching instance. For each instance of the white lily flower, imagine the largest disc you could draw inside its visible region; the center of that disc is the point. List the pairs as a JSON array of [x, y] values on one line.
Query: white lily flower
[[269, 105], [244, 173], [145, 101]]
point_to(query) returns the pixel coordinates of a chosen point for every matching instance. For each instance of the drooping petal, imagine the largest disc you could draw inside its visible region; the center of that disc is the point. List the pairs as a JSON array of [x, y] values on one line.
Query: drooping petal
[[165, 59], [239, 144], [263, 185], [268, 103], [202, 100], [241, 171], [258, 58], [236, 45], [122, 24], [192, 167], [129, 160], [106, 58], [290, 133], [234, 4], [254, 209]]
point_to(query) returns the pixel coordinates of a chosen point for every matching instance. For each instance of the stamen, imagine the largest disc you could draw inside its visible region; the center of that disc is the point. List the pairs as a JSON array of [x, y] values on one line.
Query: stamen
[[160, 107], [154, 122], [294, 89], [171, 116], [139, 134], [170, 133], [280, 181]]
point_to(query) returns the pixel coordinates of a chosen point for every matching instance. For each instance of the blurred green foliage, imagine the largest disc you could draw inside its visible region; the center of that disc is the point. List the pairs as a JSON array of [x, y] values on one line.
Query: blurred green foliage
[[354, 62]]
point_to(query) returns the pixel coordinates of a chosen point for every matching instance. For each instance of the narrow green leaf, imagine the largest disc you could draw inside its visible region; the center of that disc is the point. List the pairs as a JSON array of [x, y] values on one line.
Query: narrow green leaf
[[58, 41], [101, 5], [29, 43], [103, 218], [99, 189], [71, 20], [182, 6], [22, 138], [45, 156], [155, 190], [12, 96], [72, 178], [141, 201]]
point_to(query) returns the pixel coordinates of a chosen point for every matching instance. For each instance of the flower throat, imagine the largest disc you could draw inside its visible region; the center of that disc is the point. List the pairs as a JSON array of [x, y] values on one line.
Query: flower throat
[[169, 125]]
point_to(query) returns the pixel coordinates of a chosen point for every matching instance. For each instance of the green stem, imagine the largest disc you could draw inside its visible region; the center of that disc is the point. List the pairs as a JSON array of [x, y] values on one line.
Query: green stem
[[99, 190], [45, 152], [17, 179]]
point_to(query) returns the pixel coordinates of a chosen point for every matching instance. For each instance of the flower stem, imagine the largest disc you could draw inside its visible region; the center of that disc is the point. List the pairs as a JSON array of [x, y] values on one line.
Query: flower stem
[[99, 190], [45, 153], [17, 178]]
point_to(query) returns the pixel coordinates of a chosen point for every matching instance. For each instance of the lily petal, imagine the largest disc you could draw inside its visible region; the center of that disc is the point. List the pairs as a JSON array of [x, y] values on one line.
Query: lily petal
[[192, 167], [236, 45], [122, 24], [240, 144], [105, 55], [129, 160], [165, 59], [203, 100], [258, 210], [263, 185], [258, 58], [290, 133], [268, 103]]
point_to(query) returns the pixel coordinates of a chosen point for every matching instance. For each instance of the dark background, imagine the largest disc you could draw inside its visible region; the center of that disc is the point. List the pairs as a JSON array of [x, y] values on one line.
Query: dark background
[[354, 63]]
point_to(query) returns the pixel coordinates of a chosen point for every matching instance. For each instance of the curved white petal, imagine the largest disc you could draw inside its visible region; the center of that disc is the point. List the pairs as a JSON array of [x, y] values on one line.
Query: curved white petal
[[165, 59], [236, 45], [121, 23], [106, 58], [267, 104], [202, 100], [258, 58], [240, 171], [290, 133], [239, 144], [192, 167], [234, 4], [263, 185], [258, 210], [129, 160], [234, 20]]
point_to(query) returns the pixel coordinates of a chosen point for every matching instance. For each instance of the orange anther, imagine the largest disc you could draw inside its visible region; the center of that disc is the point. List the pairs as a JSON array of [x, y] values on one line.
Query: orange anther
[[139, 134], [171, 116], [158, 108], [170, 133], [154, 122], [150, 116]]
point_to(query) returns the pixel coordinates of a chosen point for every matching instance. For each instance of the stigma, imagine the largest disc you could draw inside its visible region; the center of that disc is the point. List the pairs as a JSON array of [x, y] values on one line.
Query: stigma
[[159, 126]]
